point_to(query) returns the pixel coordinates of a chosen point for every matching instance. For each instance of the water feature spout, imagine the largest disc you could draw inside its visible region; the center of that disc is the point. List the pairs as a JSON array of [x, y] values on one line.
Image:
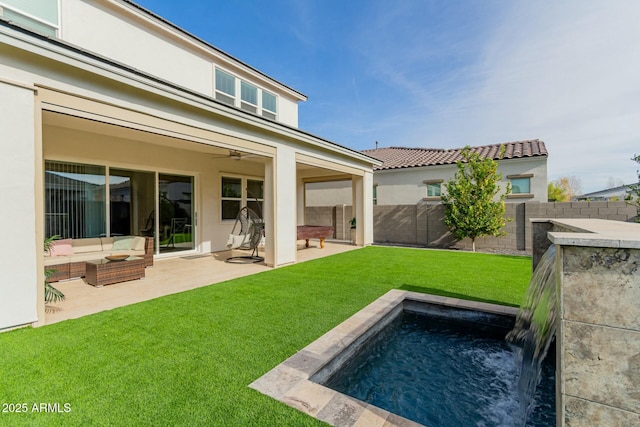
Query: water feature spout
[[535, 328]]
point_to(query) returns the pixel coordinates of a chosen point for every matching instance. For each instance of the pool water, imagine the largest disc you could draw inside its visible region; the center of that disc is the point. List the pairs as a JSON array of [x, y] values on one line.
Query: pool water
[[444, 372]]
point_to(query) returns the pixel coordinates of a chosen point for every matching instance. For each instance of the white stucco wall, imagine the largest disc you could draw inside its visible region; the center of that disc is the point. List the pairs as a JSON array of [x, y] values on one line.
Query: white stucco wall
[[329, 193], [19, 277], [123, 34]]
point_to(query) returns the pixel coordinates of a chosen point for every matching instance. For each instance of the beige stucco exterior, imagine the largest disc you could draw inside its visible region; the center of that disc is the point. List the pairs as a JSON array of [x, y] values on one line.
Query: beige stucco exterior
[[155, 114], [407, 186]]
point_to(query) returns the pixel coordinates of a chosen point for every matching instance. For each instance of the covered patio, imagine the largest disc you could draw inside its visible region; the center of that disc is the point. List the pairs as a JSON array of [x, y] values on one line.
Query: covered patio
[[168, 276]]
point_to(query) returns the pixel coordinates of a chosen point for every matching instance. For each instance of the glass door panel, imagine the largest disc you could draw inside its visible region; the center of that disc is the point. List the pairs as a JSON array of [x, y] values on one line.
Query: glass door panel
[[75, 201], [176, 210], [132, 202]]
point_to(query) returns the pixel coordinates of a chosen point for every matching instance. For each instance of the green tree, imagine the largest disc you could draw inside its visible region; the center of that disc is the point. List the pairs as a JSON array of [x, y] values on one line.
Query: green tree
[[564, 189], [556, 193], [633, 196], [474, 207]]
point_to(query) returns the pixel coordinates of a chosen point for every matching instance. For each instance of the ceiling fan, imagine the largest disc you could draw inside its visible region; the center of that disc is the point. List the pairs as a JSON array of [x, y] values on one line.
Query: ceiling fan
[[236, 155]]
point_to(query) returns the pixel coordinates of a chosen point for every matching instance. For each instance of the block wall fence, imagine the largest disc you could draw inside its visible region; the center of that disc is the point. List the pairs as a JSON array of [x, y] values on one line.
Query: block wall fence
[[423, 224]]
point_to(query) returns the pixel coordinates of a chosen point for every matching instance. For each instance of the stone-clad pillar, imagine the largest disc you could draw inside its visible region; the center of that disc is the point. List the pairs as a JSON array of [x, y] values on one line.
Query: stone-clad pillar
[[598, 336]]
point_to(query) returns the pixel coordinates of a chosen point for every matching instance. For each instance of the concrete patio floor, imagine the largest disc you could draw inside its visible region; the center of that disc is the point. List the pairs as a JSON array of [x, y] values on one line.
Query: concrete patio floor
[[167, 276]]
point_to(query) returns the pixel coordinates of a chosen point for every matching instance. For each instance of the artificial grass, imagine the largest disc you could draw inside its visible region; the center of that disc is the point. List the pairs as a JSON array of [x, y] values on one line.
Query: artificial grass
[[186, 359]]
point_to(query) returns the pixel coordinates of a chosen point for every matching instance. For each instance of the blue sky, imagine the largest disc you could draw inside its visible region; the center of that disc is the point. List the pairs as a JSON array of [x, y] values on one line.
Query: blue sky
[[445, 74]]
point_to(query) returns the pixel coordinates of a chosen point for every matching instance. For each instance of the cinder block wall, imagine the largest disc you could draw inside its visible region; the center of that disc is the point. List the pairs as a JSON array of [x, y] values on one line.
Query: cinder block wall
[[423, 224]]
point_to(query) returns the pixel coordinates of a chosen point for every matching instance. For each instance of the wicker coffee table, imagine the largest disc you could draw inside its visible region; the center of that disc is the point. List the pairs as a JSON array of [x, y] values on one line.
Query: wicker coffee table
[[102, 272]]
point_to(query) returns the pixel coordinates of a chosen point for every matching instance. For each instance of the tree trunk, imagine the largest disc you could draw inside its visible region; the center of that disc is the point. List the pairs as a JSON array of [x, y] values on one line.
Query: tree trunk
[[473, 245]]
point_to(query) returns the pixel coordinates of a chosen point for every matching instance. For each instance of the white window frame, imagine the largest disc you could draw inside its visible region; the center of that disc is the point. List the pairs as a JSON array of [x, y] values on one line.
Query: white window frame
[[429, 182], [253, 108], [54, 26], [233, 99], [244, 195], [269, 112], [375, 194]]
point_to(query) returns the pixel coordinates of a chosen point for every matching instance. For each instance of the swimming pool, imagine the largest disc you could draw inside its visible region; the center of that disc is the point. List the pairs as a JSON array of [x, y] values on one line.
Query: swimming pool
[[444, 371], [300, 380]]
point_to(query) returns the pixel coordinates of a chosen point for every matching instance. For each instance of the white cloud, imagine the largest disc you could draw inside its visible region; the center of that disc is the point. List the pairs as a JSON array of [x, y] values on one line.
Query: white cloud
[[564, 72]]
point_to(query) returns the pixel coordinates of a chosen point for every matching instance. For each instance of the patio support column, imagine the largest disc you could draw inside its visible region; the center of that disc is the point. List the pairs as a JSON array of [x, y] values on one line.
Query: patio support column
[[21, 262], [280, 208], [302, 203], [362, 187]]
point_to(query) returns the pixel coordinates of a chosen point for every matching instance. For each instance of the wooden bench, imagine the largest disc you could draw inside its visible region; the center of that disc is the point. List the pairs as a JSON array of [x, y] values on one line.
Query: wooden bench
[[306, 232]]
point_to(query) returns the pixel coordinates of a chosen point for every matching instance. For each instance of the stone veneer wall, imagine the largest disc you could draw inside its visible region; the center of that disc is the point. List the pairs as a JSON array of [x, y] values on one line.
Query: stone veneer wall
[[598, 351], [423, 224]]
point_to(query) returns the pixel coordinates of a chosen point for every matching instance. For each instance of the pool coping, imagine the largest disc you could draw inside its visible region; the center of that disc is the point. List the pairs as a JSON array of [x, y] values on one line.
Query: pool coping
[[291, 383]]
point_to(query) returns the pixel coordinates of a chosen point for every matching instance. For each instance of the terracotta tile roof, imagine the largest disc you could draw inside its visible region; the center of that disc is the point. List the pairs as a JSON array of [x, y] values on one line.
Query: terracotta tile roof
[[403, 157]]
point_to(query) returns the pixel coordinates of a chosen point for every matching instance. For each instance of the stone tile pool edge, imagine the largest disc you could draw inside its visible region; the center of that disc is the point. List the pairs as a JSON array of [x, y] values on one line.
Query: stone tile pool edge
[[295, 381]]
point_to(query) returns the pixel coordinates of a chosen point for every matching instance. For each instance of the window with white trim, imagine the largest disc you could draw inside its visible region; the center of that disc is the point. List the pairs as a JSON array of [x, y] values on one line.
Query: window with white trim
[[375, 194], [238, 192], [248, 97], [269, 105], [434, 188], [40, 16], [225, 87]]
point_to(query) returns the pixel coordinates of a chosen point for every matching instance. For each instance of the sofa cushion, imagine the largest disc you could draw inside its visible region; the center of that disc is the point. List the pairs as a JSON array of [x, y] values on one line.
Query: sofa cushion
[[138, 244], [91, 244], [107, 243], [122, 243], [60, 248]]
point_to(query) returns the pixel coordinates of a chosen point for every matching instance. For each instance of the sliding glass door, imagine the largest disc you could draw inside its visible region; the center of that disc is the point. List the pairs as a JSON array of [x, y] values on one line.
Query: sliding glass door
[[176, 219], [76, 207]]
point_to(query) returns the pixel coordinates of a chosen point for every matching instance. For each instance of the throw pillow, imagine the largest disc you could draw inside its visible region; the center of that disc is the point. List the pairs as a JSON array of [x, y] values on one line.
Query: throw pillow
[[61, 248], [122, 244]]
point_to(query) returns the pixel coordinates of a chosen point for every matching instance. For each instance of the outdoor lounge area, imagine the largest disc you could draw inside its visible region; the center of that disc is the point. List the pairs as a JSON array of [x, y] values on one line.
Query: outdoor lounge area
[[166, 277]]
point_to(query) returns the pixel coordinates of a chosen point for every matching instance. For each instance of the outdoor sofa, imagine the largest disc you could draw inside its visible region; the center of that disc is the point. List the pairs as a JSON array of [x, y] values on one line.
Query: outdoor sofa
[[68, 256]]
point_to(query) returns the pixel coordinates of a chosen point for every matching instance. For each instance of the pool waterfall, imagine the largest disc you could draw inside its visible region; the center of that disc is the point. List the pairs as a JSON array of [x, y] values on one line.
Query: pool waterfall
[[534, 330]]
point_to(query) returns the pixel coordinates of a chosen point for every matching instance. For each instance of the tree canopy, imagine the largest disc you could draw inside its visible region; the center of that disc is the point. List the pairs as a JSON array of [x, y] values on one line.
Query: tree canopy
[[564, 189], [474, 207]]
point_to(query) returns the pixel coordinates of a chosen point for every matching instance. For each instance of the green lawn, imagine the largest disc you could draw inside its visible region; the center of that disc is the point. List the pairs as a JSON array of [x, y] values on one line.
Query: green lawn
[[186, 359]]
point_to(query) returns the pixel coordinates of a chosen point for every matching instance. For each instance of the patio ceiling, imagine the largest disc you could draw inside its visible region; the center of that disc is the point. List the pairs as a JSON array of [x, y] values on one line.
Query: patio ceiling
[[96, 127]]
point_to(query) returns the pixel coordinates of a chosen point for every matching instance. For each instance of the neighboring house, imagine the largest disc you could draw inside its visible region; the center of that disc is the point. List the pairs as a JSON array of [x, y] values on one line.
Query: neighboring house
[[610, 194], [411, 175], [115, 121]]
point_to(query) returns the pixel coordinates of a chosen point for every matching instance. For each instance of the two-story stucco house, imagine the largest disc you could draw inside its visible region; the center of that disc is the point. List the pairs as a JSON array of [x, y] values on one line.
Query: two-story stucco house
[[411, 175], [110, 114]]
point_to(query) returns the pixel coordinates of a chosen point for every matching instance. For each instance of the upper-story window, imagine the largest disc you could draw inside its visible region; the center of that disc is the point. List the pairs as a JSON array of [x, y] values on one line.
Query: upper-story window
[[225, 87], [269, 109], [248, 97], [38, 15], [251, 99]]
